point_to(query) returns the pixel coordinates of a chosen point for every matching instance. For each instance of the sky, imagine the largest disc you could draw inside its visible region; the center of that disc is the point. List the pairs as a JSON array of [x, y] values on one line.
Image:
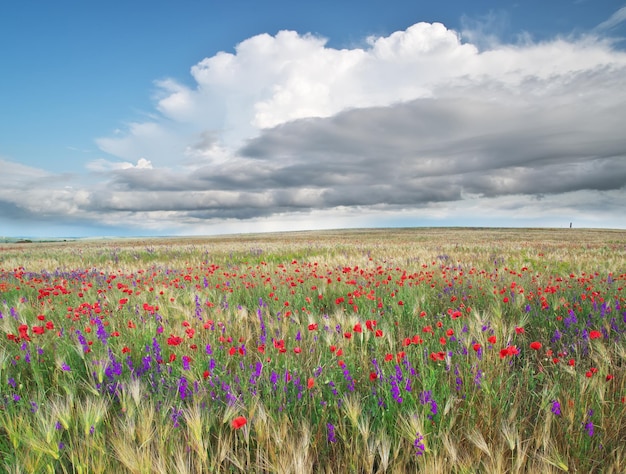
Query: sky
[[198, 117]]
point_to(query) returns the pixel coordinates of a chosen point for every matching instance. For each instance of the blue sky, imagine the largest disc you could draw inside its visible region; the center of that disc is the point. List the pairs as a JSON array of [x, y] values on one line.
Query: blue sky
[[199, 117]]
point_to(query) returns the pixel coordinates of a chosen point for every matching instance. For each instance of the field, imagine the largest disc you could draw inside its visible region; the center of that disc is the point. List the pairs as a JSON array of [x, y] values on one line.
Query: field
[[399, 350]]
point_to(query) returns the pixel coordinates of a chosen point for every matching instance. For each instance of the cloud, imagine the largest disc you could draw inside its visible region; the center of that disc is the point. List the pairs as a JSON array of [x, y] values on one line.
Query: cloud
[[105, 165], [418, 125], [617, 18]]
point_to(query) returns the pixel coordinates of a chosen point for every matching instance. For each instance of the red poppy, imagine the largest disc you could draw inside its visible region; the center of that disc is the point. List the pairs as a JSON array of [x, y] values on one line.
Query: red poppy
[[595, 334], [508, 351], [535, 345], [437, 356], [239, 422], [310, 383]]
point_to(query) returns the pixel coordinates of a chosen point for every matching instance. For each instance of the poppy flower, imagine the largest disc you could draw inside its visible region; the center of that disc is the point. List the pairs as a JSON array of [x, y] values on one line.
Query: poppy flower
[[239, 422], [508, 351], [535, 345]]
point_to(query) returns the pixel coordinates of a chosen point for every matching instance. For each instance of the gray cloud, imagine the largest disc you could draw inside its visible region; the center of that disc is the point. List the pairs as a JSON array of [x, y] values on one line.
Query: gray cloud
[[556, 135]]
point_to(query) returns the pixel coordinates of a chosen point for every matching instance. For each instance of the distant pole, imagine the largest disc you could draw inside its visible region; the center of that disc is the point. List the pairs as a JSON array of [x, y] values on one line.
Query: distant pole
[[570, 225]]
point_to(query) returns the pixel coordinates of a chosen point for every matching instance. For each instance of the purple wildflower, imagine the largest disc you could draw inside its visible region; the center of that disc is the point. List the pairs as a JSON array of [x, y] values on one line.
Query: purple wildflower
[[418, 444], [331, 433]]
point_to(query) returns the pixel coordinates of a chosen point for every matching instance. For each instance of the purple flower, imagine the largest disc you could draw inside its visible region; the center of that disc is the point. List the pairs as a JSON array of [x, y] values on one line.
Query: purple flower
[[418, 444], [101, 332], [395, 390], [589, 424], [182, 388], [263, 338], [556, 407], [331, 433]]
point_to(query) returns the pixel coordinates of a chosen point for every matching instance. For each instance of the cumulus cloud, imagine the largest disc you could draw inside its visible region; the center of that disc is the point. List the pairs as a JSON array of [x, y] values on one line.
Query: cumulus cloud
[[419, 124]]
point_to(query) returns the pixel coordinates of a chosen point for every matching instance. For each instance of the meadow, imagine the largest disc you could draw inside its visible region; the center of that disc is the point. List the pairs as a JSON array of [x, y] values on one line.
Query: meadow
[[365, 351]]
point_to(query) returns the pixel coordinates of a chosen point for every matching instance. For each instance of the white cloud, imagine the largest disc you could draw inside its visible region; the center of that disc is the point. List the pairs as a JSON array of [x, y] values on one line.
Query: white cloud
[[618, 17], [101, 164], [419, 125]]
